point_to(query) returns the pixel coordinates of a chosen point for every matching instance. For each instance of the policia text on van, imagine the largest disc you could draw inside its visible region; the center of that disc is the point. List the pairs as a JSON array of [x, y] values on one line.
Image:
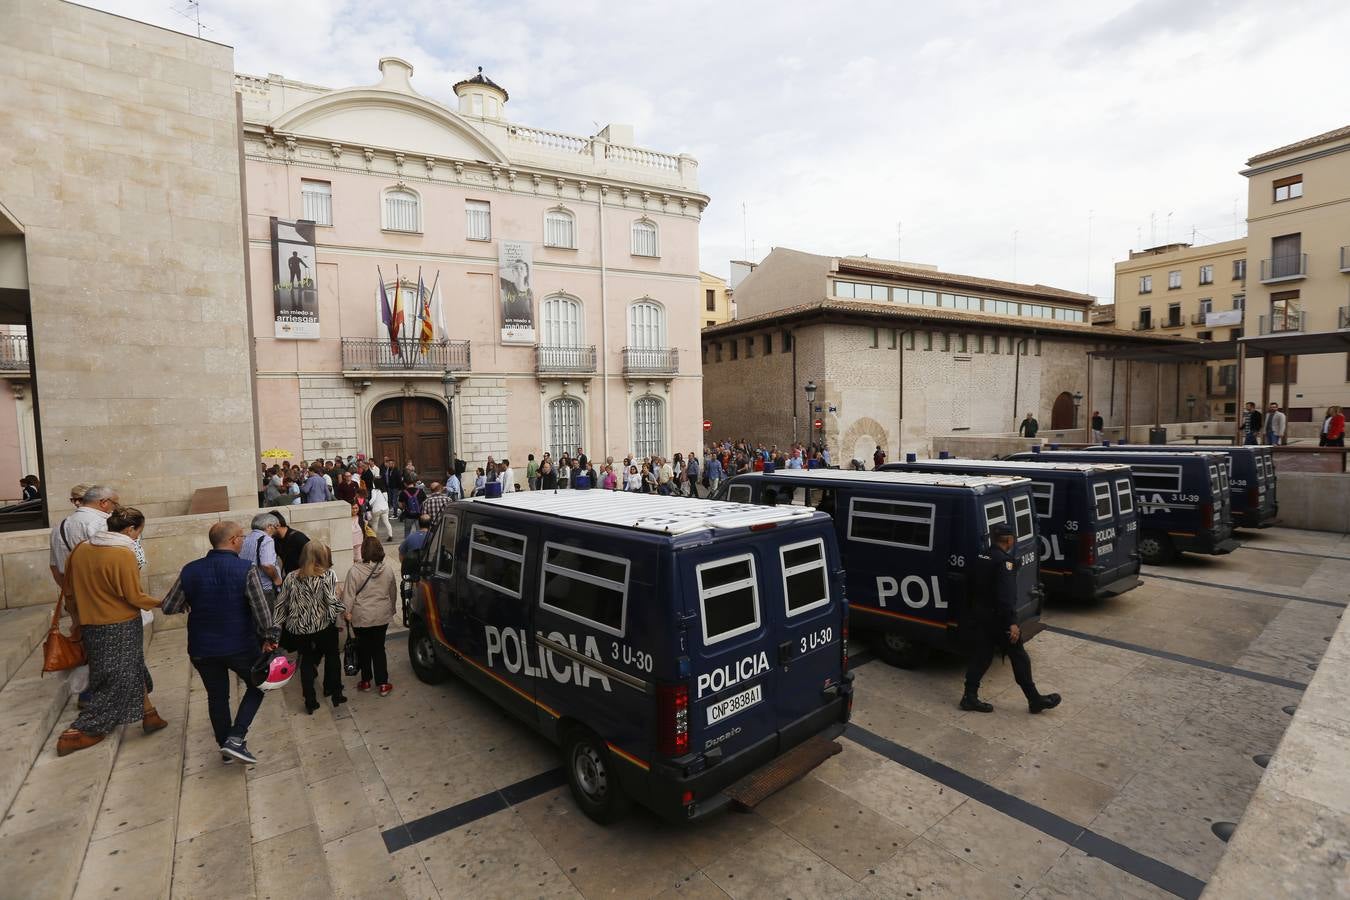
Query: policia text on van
[[909, 541], [1183, 499], [671, 646], [1086, 516]]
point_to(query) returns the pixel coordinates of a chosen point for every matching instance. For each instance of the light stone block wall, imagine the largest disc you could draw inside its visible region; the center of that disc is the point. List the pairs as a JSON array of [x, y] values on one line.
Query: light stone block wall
[[119, 157], [170, 543], [481, 414], [328, 418]]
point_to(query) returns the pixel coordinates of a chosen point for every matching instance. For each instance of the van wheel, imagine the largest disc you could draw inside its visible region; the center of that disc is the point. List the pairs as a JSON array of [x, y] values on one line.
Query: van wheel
[[422, 655], [590, 774], [899, 650], [1156, 550]]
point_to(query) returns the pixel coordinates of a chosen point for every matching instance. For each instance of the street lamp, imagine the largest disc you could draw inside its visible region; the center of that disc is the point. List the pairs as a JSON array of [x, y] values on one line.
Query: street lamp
[[451, 384], [1077, 400], [1190, 407], [810, 388]]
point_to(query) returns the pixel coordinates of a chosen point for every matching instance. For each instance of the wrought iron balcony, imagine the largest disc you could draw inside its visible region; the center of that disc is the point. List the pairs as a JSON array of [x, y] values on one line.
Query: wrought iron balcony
[[1343, 317], [1222, 390], [1198, 318], [1345, 259], [381, 356], [640, 361], [1284, 268], [1278, 324], [565, 360], [13, 353], [1142, 325], [1177, 322]]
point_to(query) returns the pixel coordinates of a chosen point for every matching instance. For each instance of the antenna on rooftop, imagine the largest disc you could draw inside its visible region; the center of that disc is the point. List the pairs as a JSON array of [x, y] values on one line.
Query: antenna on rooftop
[[193, 11]]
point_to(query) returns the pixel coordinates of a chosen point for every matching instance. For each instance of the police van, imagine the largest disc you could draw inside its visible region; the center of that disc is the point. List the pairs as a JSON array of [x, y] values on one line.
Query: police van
[[1182, 498], [908, 540], [670, 646], [1251, 478], [1088, 525]]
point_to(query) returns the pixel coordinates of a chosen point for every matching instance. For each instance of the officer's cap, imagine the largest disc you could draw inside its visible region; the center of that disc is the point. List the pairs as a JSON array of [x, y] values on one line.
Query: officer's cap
[[1000, 531]]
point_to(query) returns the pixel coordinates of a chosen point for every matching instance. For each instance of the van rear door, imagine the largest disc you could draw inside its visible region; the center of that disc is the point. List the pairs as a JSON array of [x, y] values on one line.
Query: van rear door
[[1127, 522], [1015, 509], [1105, 537]]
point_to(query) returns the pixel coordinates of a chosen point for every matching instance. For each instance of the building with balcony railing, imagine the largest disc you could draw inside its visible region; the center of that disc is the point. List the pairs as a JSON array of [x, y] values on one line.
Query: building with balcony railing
[[557, 275]]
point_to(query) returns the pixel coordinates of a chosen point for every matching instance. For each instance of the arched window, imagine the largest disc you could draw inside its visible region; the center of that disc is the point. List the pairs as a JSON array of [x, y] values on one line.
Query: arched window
[[647, 326], [402, 210], [562, 322], [649, 425], [564, 426], [644, 238], [560, 229]]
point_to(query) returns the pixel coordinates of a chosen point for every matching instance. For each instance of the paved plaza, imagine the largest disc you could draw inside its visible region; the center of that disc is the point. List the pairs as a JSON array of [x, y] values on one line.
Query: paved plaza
[[1170, 691]]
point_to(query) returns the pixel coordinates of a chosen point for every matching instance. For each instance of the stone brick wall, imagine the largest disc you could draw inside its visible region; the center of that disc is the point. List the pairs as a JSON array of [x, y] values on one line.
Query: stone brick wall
[[481, 413], [327, 418], [119, 158]]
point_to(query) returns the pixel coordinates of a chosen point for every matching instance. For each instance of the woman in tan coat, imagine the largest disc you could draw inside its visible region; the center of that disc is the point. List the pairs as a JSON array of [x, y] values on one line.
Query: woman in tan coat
[[105, 582], [370, 595]]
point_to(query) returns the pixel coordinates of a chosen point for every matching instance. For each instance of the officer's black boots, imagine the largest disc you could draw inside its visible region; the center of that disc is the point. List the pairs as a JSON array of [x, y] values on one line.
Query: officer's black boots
[[1037, 702], [971, 702]]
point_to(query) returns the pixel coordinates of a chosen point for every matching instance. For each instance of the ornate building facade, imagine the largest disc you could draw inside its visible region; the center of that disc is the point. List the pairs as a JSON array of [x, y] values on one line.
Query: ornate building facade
[[548, 284]]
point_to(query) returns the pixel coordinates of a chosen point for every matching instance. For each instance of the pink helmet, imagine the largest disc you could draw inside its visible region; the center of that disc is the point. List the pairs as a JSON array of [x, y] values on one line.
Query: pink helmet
[[279, 672]]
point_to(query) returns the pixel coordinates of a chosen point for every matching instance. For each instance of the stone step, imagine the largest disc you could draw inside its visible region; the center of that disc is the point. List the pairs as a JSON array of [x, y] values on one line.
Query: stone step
[[52, 817], [30, 705], [131, 850], [20, 631]]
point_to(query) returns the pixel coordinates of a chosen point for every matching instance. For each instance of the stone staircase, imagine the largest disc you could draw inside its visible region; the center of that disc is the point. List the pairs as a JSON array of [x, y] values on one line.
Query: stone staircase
[[160, 815]]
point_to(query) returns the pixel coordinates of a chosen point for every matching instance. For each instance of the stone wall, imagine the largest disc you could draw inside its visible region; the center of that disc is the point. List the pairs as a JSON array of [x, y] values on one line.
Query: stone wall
[[327, 418], [481, 414], [119, 158], [170, 543]]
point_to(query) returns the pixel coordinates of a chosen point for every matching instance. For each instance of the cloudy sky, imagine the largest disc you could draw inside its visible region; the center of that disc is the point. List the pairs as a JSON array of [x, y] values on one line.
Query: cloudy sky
[[1040, 141]]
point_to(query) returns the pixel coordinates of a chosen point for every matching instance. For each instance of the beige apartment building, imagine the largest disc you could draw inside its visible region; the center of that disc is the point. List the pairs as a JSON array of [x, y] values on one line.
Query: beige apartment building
[[716, 307], [1298, 235], [1194, 292]]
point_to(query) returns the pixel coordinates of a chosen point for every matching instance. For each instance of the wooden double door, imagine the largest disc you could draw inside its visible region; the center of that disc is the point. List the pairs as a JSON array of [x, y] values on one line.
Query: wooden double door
[[412, 428]]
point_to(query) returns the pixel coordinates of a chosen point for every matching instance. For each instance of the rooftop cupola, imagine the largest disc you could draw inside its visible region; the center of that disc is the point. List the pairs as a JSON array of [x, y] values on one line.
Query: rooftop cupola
[[480, 96]]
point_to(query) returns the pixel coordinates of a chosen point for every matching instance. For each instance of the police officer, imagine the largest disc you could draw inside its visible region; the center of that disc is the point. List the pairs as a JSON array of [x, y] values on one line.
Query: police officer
[[990, 624]]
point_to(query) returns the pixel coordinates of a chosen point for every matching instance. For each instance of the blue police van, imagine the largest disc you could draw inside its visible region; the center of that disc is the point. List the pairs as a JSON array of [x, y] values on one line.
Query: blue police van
[[1088, 524], [1182, 498], [908, 542], [1251, 478], [672, 647]]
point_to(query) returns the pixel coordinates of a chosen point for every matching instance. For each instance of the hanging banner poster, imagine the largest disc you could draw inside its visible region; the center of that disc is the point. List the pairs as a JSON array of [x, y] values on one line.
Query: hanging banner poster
[[295, 294], [515, 274]]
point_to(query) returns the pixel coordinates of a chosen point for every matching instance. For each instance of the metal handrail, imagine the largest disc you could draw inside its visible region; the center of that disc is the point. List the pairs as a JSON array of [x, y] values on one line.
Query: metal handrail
[[14, 352], [407, 355], [641, 361], [1198, 318], [1289, 321], [1277, 268], [564, 359]]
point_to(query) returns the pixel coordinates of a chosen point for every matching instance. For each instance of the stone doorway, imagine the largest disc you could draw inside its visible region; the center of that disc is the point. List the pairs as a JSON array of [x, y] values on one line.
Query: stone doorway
[[1061, 417], [412, 428]]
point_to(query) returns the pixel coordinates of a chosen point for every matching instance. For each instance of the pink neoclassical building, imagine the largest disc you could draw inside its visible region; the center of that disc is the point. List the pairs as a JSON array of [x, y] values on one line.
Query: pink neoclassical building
[[558, 302]]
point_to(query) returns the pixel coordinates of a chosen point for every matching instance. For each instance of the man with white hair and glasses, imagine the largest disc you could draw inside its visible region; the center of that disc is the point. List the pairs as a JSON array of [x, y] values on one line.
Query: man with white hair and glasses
[[261, 550]]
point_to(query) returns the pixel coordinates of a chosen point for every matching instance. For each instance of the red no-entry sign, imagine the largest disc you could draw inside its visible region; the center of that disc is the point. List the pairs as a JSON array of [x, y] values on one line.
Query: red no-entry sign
[[819, 423], [707, 424]]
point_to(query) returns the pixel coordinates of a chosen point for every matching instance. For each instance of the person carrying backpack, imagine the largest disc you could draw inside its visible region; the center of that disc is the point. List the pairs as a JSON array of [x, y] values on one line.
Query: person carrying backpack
[[410, 501]]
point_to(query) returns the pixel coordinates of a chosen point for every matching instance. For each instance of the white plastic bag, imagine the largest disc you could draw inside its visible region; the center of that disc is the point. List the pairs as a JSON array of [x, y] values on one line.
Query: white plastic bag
[[79, 679], [147, 618]]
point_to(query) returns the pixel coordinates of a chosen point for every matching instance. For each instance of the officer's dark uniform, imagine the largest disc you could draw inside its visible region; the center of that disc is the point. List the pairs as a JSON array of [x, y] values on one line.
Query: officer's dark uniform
[[992, 610]]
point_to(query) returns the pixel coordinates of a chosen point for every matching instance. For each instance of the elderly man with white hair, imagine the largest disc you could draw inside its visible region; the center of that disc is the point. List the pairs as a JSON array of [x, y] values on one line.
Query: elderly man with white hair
[[261, 550], [95, 504]]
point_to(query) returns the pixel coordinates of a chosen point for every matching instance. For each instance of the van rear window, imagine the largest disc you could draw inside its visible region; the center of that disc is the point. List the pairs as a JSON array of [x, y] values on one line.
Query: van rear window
[[994, 514], [804, 582], [588, 587], [1022, 517], [739, 493], [1101, 498], [497, 559], [728, 597], [1157, 478], [1214, 480], [445, 557], [1124, 496], [887, 522], [1044, 494]]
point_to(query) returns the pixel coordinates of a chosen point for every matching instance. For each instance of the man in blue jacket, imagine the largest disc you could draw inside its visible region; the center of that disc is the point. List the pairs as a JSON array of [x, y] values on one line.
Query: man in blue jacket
[[229, 625]]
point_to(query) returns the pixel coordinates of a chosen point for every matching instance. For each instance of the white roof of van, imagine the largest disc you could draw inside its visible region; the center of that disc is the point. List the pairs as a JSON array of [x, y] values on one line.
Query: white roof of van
[[646, 512], [935, 479], [1031, 467]]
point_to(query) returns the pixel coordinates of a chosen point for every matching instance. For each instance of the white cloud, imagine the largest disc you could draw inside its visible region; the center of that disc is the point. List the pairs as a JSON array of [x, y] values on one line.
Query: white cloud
[[966, 120]]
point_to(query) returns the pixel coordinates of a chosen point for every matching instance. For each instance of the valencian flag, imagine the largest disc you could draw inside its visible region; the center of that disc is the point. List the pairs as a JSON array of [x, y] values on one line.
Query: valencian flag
[[426, 333]]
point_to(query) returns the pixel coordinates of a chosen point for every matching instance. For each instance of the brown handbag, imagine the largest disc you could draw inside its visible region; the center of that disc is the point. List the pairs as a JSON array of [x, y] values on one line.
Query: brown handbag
[[59, 652]]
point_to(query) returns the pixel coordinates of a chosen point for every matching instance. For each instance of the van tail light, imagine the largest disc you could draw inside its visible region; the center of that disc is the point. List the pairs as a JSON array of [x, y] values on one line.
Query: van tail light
[[1207, 515], [672, 711], [1087, 549]]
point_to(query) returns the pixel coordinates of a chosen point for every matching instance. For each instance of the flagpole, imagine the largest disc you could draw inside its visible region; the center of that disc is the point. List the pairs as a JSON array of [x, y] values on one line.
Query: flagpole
[[430, 297]]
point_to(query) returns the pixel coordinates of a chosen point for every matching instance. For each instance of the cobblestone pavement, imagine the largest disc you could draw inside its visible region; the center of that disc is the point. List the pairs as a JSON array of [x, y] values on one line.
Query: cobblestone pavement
[[1170, 691]]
